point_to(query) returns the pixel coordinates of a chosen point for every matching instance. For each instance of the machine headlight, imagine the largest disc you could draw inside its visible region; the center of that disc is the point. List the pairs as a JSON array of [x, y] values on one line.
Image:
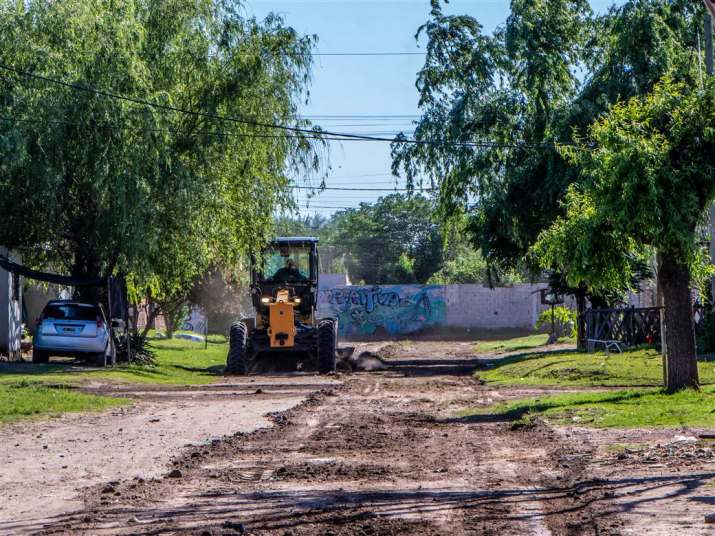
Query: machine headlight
[[265, 299], [296, 300]]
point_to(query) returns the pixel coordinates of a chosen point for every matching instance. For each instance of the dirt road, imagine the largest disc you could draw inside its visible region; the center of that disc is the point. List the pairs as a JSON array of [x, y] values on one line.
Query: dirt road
[[386, 453]]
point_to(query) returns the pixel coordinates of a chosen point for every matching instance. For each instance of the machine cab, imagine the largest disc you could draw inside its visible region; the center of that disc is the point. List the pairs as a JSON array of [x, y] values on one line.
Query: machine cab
[[287, 269]]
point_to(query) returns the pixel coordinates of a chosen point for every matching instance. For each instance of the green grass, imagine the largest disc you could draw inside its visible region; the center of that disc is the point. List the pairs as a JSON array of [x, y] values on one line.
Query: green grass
[[26, 400], [641, 367], [636, 408], [177, 362], [515, 344]]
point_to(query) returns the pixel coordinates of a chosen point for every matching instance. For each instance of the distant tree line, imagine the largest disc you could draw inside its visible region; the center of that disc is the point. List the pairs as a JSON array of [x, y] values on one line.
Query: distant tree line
[[397, 240]]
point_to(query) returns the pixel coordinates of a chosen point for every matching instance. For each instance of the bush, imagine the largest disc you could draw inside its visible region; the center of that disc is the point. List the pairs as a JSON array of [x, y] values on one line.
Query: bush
[[141, 353], [564, 321]]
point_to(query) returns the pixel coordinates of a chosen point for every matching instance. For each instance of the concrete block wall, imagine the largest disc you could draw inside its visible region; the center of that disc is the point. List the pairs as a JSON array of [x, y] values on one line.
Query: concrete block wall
[[394, 310], [375, 311], [480, 307]]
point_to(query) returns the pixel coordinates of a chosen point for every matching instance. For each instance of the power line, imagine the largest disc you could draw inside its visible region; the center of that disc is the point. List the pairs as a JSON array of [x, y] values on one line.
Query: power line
[[366, 54], [359, 116], [348, 189], [317, 133]]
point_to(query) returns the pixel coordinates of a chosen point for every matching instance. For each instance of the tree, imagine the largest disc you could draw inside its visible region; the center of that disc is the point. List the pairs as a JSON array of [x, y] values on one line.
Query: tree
[[647, 181], [395, 240], [496, 91], [102, 185], [466, 266], [516, 94]]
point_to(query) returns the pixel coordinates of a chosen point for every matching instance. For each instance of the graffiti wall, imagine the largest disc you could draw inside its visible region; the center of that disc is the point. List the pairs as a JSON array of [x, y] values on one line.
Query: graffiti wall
[[365, 311]]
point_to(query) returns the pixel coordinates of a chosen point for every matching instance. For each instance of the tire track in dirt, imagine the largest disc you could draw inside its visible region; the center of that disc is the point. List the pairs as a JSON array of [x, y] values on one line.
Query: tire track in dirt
[[382, 455]]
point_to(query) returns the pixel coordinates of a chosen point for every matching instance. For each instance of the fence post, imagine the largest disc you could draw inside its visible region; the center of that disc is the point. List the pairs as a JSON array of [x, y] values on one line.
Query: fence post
[[631, 333], [663, 345]]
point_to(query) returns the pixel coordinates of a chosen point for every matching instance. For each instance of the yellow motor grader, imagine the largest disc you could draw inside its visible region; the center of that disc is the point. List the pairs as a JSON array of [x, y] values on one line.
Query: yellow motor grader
[[284, 292]]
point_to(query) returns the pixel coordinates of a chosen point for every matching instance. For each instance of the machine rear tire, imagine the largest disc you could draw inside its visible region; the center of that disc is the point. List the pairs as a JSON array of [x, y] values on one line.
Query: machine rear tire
[[327, 345], [237, 359]]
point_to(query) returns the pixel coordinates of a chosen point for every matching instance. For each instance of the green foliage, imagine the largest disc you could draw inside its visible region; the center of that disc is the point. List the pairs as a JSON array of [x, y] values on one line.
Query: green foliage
[[519, 86], [140, 348], [467, 266], [649, 177], [588, 250], [29, 399], [504, 88], [638, 408], [394, 240], [99, 185], [563, 318]]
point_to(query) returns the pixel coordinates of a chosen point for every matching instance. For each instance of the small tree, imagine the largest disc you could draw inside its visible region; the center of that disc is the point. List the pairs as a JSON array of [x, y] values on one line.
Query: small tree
[[647, 183]]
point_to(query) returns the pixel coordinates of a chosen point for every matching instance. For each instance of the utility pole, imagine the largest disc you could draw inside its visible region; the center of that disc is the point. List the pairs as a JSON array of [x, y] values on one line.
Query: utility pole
[[710, 69]]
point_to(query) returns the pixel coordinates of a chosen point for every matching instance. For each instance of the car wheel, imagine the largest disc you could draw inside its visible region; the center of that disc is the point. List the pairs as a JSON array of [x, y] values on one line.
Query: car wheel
[[100, 359], [39, 356]]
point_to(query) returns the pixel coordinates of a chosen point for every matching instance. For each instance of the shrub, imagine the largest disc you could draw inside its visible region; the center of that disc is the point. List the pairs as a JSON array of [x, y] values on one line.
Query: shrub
[[564, 321]]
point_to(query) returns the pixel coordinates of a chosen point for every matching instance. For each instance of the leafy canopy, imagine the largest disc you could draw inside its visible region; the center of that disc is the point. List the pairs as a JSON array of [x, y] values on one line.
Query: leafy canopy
[[96, 185], [395, 240], [521, 86], [646, 185]]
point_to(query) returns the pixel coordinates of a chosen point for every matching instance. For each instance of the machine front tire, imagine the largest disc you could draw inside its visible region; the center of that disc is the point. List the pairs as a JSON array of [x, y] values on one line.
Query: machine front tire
[[327, 345], [237, 359]]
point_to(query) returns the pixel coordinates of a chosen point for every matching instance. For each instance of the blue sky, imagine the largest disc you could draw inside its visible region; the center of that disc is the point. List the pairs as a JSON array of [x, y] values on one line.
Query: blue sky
[[367, 85]]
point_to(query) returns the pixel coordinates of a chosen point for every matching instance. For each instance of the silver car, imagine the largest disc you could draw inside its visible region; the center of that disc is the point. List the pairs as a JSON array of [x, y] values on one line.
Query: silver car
[[70, 328]]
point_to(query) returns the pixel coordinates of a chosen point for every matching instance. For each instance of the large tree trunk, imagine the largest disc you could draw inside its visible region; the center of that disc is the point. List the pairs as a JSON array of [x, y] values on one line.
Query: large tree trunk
[[580, 318], [681, 360], [85, 265]]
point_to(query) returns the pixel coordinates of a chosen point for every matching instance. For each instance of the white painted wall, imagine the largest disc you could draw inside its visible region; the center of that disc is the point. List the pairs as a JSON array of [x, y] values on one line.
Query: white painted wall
[[10, 312]]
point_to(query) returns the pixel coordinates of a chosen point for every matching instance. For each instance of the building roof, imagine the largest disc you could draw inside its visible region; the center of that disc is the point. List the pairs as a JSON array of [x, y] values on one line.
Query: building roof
[[296, 239]]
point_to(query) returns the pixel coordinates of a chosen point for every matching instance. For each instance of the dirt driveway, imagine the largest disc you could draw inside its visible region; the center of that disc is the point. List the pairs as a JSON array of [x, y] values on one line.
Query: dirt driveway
[[385, 453]]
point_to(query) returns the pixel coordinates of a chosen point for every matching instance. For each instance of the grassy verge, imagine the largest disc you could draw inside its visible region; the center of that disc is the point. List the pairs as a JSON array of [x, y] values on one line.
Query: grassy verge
[[25, 400], [515, 344], [633, 368], [177, 362], [637, 408]]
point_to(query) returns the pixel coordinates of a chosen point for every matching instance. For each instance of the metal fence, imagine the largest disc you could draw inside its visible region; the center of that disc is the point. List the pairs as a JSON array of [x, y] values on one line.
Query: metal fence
[[629, 325]]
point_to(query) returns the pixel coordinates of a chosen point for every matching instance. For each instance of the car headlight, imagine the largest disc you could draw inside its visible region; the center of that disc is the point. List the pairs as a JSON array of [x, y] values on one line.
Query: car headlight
[[296, 300], [265, 299]]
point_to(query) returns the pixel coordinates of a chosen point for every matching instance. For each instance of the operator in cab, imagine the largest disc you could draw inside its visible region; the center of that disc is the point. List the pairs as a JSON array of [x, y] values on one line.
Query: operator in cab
[[288, 273]]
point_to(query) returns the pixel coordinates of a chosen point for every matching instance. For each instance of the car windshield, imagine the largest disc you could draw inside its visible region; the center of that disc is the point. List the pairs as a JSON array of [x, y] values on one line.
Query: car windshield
[[284, 264], [70, 311]]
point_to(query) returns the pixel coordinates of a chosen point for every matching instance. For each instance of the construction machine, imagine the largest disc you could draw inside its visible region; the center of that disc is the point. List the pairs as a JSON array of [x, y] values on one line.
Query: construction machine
[[284, 292]]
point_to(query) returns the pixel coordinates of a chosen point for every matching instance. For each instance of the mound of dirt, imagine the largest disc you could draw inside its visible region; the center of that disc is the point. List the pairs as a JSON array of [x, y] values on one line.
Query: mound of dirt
[[330, 471]]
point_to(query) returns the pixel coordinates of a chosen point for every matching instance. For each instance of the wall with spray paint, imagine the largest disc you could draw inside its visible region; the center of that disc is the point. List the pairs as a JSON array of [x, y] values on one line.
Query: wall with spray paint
[[366, 311]]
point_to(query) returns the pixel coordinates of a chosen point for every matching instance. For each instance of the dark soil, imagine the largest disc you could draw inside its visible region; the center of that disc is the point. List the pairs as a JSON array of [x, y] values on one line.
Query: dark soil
[[387, 454]]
